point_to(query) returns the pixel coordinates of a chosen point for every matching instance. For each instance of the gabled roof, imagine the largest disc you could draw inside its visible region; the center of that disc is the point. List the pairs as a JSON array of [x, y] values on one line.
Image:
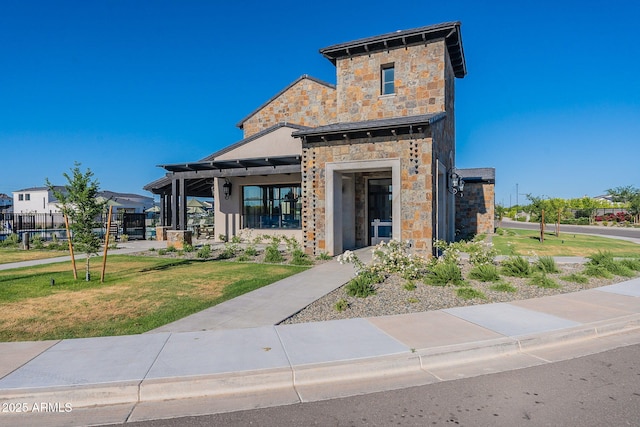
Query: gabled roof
[[303, 77], [370, 128], [449, 31]]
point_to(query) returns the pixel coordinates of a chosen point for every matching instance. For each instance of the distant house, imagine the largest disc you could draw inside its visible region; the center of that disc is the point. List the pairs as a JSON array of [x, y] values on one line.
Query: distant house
[[343, 166], [42, 200], [5, 202]]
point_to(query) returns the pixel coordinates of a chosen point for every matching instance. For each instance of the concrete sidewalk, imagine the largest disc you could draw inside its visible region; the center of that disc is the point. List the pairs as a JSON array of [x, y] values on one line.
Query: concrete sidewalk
[[200, 366]]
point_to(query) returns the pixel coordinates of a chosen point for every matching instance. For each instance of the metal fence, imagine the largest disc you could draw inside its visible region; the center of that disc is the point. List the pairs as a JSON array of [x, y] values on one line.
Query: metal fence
[[52, 225]]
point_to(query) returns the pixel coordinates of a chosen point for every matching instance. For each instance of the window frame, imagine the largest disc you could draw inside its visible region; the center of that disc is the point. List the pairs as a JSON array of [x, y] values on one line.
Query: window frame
[[270, 206], [384, 83]]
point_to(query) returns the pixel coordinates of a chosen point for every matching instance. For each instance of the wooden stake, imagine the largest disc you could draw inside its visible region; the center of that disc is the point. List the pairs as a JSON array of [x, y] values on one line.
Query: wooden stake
[[73, 259], [106, 246], [542, 227]]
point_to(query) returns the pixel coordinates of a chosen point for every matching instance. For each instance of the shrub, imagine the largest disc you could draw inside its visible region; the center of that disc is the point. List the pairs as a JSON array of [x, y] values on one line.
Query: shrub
[[171, 248], [324, 256], [124, 238], [604, 259], [443, 274], [229, 251], [236, 239], [470, 293], [204, 252], [597, 271], [12, 240], [360, 286], [504, 287], [410, 286], [631, 263], [547, 264], [485, 273], [251, 250], [300, 258], [341, 305], [393, 257], [413, 300], [516, 266], [541, 280], [188, 247], [272, 252], [575, 278], [162, 251], [36, 241]]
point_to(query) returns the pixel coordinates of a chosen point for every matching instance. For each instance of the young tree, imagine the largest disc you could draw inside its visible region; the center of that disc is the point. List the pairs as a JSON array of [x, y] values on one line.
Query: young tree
[[79, 201]]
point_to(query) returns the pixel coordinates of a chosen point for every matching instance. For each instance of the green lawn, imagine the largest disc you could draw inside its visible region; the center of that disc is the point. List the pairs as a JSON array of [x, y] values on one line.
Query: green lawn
[[8, 255], [527, 243], [139, 294]]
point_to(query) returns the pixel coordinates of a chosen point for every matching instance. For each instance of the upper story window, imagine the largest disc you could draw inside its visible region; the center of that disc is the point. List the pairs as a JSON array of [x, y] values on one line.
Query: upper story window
[[21, 197], [387, 76], [27, 196]]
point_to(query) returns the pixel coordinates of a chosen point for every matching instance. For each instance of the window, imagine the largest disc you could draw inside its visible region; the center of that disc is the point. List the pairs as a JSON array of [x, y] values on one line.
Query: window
[[21, 197], [27, 196], [387, 75], [272, 206]]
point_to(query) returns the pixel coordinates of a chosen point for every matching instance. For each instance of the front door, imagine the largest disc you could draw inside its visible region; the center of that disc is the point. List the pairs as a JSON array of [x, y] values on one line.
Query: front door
[[380, 198]]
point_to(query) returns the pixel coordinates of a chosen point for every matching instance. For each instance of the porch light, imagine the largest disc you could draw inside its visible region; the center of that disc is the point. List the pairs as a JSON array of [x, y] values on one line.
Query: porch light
[[456, 183], [226, 188]]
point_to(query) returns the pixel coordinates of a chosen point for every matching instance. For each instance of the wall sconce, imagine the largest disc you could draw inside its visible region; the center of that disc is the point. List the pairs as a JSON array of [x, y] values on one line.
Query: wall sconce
[[226, 188], [456, 183]]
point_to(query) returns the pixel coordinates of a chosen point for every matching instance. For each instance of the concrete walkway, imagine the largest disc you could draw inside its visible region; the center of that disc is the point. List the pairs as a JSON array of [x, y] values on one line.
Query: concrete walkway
[[234, 358]]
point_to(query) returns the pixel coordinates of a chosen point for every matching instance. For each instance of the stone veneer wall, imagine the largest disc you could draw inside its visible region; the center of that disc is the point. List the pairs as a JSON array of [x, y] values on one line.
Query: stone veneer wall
[[475, 209], [306, 103], [417, 185], [419, 83]]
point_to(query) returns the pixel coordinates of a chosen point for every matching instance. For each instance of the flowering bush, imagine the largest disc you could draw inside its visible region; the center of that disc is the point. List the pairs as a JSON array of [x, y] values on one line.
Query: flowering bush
[[393, 257]]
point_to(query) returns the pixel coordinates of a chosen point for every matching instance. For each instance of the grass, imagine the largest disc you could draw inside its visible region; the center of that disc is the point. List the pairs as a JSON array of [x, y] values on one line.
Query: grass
[[527, 242], [139, 294], [8, 255]]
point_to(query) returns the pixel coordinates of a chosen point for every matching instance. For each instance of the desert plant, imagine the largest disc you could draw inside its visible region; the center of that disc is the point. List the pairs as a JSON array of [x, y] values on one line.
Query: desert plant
[[470, 293], [323, 256], [188, 247], [516, 266], [298, 257], [485, 273], [341, 305], [605, 260], [444, 273], [413, 300], [547, 264], [228, 251], [360, 286], [575, 278], [541, 280], [631, 263], [410, 285], [503, 287]]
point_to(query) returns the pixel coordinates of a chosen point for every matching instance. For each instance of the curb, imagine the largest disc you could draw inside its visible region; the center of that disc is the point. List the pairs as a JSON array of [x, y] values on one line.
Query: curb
[[319, 381]]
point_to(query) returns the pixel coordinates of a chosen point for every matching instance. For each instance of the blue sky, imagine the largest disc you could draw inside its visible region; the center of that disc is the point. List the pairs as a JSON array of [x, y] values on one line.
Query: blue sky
[[551, 98]]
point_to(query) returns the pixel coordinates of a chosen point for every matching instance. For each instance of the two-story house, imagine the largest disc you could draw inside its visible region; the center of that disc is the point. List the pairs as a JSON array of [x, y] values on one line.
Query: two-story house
[[346, 165]]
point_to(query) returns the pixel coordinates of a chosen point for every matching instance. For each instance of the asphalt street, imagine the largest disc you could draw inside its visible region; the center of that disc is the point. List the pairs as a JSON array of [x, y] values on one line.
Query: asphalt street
[[597, 390]]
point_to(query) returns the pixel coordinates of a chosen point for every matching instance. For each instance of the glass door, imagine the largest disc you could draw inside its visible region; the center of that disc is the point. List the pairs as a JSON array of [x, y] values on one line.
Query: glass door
[[380, 200]]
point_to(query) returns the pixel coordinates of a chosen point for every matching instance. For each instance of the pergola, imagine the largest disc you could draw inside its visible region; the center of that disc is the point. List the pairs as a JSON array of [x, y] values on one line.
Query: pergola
[[197, 179]]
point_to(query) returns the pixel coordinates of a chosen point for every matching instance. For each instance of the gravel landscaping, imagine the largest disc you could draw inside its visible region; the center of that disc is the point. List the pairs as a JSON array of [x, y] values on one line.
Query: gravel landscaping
[[392, 298]]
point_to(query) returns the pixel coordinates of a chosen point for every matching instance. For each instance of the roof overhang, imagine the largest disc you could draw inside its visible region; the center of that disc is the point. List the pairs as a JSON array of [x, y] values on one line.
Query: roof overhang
[[448, 31], [370, 129], [232, 164]]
